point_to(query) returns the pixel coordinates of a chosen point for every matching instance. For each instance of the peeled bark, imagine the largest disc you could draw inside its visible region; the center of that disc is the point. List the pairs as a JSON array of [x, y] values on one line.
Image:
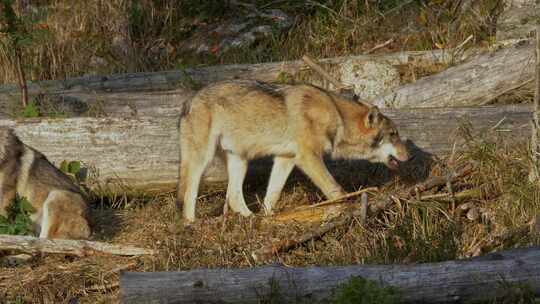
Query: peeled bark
[[452, 281]]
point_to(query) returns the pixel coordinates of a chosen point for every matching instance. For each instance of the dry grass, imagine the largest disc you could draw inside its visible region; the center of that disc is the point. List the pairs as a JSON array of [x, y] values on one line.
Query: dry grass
[[104, 37], [410, 232]]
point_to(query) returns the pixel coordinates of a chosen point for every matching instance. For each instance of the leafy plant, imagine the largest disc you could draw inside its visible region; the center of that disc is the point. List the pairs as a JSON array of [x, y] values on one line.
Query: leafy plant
[[362, 291], [31, 110], [73, 169], [18, 220]]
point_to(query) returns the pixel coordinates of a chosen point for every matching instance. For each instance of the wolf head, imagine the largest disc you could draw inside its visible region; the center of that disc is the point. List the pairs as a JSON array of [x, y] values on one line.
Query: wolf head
[[386, 145], [370, 135]]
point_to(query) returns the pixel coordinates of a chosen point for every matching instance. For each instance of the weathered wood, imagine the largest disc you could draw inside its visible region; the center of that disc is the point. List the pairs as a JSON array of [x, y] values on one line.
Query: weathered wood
[[451, 281], [143, 152], [478, 80], [517, 20], [154, 93], [30, 244], [170, 80]]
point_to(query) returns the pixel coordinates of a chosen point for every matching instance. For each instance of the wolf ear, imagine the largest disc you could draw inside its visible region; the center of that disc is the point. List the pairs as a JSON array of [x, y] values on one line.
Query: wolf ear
[[372, 117]]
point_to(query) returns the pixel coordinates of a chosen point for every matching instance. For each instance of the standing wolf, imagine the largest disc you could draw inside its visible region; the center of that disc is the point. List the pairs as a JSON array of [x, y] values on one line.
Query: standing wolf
[[243, 120], [61, 208]]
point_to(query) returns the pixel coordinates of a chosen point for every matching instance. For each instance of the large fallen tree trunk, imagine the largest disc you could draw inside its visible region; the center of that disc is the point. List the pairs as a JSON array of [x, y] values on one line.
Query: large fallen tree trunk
[[156, 93], [169, 80], [143, 152], [476, 82], [453, 281], [30, 244]]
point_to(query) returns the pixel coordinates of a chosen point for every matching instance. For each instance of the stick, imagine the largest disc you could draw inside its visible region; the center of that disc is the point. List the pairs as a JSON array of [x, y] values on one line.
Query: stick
[[380, 46], [510, 89], [30, 244], [363, 208], [439, 181], [285, 245], [317, 68], [348, 195]]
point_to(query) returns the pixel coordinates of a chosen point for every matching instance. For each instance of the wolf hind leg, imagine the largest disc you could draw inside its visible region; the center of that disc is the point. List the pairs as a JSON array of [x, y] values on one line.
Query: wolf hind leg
[[192, 168], [64, 216]]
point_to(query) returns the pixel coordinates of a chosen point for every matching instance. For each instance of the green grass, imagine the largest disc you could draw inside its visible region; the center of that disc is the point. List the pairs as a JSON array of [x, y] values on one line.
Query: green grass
[[361, 291]]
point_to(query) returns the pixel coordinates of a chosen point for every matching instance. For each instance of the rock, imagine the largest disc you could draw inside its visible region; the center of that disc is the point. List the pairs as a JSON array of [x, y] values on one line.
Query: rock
[[237, 33], [369, 78]]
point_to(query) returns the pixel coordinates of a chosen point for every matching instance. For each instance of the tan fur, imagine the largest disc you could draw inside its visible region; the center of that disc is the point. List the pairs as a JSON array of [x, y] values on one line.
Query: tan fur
[[298, 125], [61, 208]]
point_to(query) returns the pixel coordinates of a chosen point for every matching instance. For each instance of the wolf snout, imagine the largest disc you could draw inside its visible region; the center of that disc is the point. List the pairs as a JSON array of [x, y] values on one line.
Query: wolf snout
[[402, 154]]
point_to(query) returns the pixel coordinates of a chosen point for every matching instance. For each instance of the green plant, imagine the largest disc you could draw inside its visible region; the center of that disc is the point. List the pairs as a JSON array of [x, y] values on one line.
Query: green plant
[[72, 169], [31, 110], [362, 291], [18, 220]]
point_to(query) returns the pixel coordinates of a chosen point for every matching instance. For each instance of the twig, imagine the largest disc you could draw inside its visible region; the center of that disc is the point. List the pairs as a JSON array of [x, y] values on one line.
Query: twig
[[363, 208], [379, 46], [469, 193], [458, 48], [498, 124], [510, 89], [317, 68], [102, 287], [439, 181], [285, 245], [348, 195]]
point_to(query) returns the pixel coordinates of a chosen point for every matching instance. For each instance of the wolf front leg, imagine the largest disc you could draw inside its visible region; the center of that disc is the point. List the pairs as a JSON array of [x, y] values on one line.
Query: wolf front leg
[[280, 172], [314, 167]]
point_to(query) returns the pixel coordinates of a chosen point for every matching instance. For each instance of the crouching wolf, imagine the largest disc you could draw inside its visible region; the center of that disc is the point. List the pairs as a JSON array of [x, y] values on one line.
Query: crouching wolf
[[61, 209], [297, 125]]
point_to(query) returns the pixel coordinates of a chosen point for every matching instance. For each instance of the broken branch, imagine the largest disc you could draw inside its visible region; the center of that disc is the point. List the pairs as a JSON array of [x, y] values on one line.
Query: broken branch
[[30, 244]]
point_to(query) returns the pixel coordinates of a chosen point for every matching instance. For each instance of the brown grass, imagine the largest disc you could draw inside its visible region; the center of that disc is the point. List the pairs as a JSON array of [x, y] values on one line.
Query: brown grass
[[103, 37], [410, 232]]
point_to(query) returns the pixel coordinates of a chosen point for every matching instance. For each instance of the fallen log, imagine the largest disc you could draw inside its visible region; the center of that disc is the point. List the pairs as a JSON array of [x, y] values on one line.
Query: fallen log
[[170, 80], [444, 282], [475, 82], [30, 244], [143, 152], [158, 93]]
